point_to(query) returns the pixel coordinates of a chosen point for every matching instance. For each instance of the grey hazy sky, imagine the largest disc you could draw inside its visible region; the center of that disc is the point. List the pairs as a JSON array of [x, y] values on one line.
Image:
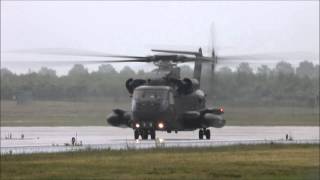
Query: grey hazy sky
[[134, 27]]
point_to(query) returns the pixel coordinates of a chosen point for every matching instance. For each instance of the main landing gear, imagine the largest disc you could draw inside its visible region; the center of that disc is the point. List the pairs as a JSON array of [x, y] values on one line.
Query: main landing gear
[[144, 133], [204, 132]]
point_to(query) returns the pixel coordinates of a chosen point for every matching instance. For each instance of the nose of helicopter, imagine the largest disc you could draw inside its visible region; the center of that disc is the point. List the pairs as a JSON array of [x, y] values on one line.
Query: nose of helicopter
[[150, 113], [152, 123]]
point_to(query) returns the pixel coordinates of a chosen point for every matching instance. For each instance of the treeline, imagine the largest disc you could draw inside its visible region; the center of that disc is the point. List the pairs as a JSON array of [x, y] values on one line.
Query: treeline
[[283, 84]]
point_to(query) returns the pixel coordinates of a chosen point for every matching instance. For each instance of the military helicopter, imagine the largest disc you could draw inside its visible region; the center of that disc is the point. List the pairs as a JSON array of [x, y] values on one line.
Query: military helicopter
[[168, 103], [165, 102]]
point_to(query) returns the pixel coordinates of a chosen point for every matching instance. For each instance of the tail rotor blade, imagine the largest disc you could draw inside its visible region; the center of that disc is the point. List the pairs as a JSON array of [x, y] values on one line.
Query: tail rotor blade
[[212, 40], [212, 50]]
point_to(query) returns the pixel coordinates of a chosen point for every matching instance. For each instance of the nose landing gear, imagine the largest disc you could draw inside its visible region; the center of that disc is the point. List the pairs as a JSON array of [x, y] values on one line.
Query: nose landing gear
[[153, 134], [136, 134], [204, 132], [144, 133]]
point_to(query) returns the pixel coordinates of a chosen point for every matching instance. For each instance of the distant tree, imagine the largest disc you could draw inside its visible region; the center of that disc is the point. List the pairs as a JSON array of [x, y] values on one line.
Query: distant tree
[[78, 69], [305, 68], [244, 85], [316, 71], [264, 70], [284, 68], [107, 69], [77, 82], [8, 83], [5, 71], [127, 72], [225, 71], [141, 73], [222, 84], [285, 83], [244, 68], [238, 87], [44, 71]]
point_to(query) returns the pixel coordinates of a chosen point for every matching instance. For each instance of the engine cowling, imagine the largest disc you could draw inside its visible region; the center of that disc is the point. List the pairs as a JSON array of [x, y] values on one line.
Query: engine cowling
[[191, 119], [213, 120], [131, 84], [187, 86], [119, 118]]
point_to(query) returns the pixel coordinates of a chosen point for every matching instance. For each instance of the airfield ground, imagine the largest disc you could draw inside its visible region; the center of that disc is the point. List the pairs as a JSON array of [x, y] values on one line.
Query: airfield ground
[[234, 162], [270, 161], [63, 113]]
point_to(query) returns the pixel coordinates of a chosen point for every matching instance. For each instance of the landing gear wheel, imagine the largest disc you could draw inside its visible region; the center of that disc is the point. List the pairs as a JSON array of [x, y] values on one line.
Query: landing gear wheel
[[207, 133], [153, 134], [144, 134], [200, 134], [136, 134]]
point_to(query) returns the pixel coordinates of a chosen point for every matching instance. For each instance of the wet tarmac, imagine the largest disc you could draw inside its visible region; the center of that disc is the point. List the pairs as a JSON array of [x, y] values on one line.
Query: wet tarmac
[[55, 139]]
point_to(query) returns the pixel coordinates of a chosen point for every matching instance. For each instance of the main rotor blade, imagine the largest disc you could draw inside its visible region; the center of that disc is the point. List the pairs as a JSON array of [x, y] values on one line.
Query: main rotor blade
[[265, 62], [72, 62], [69, 52], [119, 61], [176, 52], [271, 56]]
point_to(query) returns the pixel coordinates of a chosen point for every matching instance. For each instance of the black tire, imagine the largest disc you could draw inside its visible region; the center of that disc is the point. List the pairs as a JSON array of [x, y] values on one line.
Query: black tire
[[144, 134], [153, 134], [73, 141], [208, 134], [200, 134], [136, 134]]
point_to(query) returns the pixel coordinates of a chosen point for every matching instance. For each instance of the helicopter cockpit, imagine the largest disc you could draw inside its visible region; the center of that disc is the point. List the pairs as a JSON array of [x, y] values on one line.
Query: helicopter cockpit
[[150, 94], [157, 98]]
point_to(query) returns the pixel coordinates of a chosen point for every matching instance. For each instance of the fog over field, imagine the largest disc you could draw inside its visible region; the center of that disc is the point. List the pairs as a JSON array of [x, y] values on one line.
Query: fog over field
[[134, 27]]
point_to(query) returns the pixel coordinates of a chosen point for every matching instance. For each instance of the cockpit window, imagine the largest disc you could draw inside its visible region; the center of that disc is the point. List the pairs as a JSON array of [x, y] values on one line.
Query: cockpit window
[[150, 94]]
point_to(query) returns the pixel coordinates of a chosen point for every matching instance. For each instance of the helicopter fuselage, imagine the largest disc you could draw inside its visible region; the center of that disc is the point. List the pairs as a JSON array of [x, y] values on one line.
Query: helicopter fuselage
[[161, 108]]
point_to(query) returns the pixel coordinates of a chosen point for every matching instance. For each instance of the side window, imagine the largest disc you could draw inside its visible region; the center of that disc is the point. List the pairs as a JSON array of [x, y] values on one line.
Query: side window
[[171, 99]]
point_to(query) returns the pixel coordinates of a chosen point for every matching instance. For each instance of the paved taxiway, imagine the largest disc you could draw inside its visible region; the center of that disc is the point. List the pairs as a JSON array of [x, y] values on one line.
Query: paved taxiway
[[115, 138]]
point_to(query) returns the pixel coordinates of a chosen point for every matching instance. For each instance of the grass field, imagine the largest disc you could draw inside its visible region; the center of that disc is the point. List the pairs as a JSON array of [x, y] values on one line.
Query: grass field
[[63, 113], [234, 162]]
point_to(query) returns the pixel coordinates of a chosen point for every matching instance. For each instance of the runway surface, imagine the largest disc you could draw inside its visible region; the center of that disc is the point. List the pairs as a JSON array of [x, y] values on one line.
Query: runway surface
[[54, 139]]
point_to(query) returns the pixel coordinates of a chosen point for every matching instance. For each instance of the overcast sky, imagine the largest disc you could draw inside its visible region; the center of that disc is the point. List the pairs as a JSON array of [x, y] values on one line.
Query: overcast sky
[[135, 27]]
